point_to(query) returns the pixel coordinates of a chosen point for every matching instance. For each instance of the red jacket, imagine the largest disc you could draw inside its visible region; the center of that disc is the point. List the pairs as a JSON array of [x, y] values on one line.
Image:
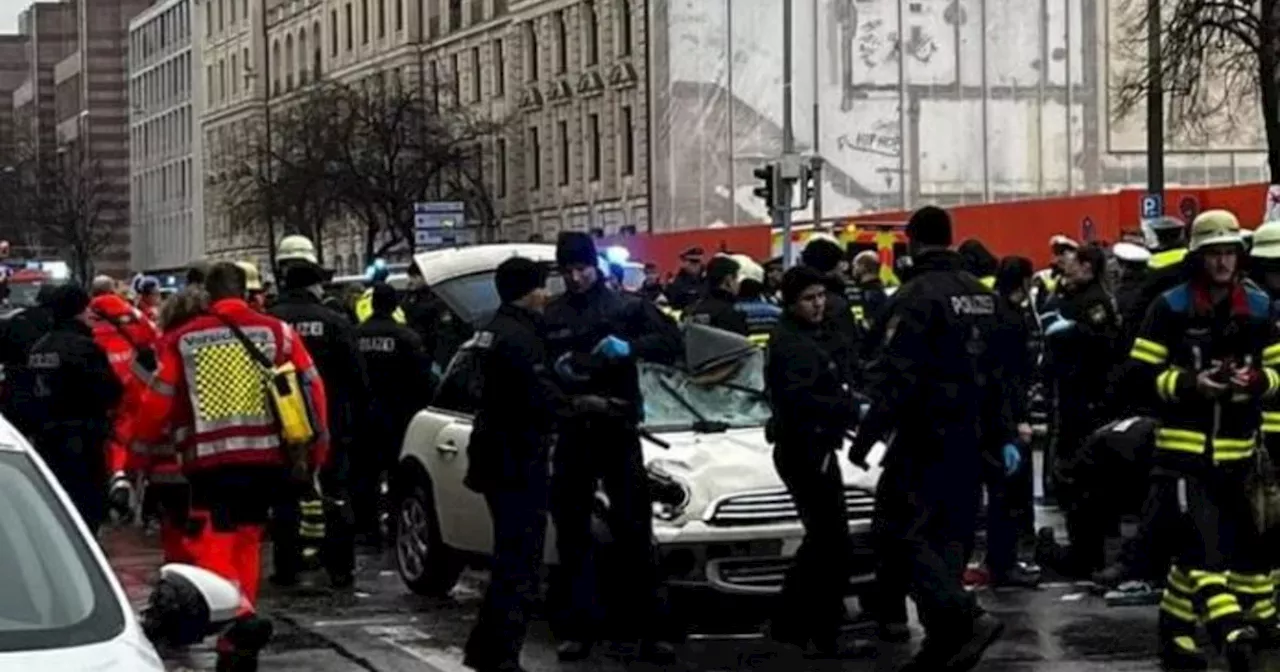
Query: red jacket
[[121, 330], [210, 392]]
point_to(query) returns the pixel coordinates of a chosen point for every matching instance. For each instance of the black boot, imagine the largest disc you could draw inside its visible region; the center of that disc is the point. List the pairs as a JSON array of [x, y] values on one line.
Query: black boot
[[1182, 654], [239, 647], [1239, 649]]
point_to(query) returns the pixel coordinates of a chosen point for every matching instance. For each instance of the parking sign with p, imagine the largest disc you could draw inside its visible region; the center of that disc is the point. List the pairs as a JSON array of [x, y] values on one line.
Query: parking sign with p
[[1152, 206]]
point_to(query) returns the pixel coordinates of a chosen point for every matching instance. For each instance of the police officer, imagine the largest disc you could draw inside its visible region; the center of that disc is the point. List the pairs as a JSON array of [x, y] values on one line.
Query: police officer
[[935, 385], [865, 292], [594, 336], [716, 307], [760, 312], [73, 392], [1167, 240], [812, 411], [378, 274], [400, 381], [651, 288], [979, 262], [825, 256], [331, 341], [508, 460], [687, 286], [1131, 271], [1207, 352], [1044, 285]]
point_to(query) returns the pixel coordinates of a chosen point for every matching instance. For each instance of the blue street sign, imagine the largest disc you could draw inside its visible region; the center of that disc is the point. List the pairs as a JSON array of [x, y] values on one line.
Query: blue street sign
[[438, 223], [1152, 206]]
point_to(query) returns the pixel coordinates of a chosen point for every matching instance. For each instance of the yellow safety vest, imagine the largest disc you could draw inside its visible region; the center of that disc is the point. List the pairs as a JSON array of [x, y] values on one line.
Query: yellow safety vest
[[988, 281], [364, 308], [671, 313], [1166, 259]]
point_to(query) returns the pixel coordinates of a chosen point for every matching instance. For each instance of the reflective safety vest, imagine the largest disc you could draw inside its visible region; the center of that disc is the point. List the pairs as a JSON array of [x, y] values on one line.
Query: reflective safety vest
[[1167, 258], [989, 281], [761, 318], [671, 313], [364, 308]]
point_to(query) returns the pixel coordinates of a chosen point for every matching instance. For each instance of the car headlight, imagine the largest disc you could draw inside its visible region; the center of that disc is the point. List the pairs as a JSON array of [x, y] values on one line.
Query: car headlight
[[670, 495]]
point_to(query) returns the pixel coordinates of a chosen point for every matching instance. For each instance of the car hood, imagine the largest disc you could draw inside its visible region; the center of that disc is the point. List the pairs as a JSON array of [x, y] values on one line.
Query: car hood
[[712, 466], [129, 652]]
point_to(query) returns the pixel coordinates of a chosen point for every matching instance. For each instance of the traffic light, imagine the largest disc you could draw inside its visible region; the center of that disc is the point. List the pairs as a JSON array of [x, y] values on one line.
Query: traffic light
[[808, 183], [769, 189]]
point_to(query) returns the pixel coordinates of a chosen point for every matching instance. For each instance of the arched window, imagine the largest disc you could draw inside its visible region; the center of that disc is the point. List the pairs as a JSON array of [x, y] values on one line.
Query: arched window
[[315, 61], [302, 57], [288, 63], [276, 57]]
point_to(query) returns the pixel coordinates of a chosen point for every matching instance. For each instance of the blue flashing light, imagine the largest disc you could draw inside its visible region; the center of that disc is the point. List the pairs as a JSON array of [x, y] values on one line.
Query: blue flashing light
[[617, 254]]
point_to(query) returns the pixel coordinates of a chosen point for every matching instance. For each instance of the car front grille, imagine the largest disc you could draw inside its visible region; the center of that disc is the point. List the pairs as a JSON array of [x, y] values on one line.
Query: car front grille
[[775, 506]]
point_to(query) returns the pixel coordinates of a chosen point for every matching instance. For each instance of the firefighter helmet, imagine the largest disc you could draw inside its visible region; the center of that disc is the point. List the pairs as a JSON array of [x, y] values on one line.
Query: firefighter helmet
[[1215, 227], [296, 248], [252, 277], [1266, 241]]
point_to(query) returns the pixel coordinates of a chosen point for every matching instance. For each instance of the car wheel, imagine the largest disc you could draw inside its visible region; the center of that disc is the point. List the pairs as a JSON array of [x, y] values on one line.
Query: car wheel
[[427, 566]]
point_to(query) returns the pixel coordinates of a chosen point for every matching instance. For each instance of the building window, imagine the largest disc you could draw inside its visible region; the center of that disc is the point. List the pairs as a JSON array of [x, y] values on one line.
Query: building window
[[499, 69], [592, 36], [244, 9], [562, 130], [500, 149], [231, 18], [302, 57], [593, 131], [455, 14], [531, 53], [333, 33], [475, 74], [382, 19], [351, 34], [628, 143], [222, 80], [433, 79], [315, 33], [364, 21], [221, 9], [244, 58], [562, 44], [235, 79], [624, 27], [457, 79], [288, 63], [208, 83], [535, 160], [399, 15], [208, 20]]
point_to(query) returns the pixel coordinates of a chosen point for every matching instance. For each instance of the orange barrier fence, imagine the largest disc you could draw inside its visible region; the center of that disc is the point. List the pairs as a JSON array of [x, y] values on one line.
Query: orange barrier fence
[[1016, 227]]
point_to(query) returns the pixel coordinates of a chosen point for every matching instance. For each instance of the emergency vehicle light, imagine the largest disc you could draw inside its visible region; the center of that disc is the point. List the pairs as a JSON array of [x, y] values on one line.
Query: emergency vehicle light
[[617, 254]]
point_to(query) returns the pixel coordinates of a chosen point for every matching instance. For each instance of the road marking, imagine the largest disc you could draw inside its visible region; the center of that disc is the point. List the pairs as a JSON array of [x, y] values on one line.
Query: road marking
[[351, 622], [435, 661], [397, 633]]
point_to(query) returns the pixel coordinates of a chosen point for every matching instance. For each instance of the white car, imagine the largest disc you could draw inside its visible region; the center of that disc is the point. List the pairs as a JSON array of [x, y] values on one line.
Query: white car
[[722, 518], [61, 607]]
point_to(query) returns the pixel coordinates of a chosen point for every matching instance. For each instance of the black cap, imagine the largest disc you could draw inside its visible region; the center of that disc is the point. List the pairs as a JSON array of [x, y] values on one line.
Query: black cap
[[518, 276], [930, 225], [67, 301], [822, 255], [575, 248], [383, 299], [692, 254], [796, 280]]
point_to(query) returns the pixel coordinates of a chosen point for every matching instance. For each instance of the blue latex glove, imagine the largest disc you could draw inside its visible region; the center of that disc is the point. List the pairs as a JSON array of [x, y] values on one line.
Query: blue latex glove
[[612, 347], [1059, 326], [564, 369], [1012, 459]]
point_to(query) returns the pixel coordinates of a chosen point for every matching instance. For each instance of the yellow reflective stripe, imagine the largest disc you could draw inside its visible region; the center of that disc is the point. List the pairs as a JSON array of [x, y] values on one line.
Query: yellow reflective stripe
[[1181, 584], [1148, 351], [1270, 421], [988, 281], [1186, 643], [1239, 580], [1273, 382], [1167, 384], [1262, 610], [1180, 440], [859, 314], [1219, 606], [758, 339], [1201, 579], [1174, 607], [1271, 355], [1232, 449]]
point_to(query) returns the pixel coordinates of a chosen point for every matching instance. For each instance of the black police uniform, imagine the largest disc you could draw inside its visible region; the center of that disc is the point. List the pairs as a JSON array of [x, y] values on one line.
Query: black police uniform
[[936, 365], [330, 339], [401, 384], [842, 320], [508, 463], [18, 333], [684, 290], [605, 448], [812, 411], [716, 309], [72, 394], [866, 299]]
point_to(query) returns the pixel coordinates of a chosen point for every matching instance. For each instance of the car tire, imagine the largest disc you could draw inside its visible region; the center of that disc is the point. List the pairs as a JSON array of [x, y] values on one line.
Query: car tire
[[426, 564]]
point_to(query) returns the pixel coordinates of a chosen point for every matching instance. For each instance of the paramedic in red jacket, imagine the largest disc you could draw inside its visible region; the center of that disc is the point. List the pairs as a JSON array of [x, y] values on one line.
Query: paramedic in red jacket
[[209, 392], [122, 332]]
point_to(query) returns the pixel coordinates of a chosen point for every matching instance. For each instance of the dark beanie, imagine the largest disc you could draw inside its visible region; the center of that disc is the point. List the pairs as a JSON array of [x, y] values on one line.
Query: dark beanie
[[518, 276], [67, 301], [977, 259], [575, 247], [930, 225], [719, 269], [383, 300], [796, 280], [822, 255]]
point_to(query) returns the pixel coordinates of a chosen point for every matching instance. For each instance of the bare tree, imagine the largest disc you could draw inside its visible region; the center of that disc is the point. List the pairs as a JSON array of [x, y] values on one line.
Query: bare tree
[[63, 198], [1219, 63]]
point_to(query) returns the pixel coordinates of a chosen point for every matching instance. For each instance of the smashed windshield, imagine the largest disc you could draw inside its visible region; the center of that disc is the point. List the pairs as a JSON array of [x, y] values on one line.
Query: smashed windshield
[[732, 396]]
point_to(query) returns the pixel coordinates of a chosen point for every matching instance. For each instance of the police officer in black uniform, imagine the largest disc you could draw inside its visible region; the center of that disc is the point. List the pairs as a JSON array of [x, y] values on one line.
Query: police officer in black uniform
[[826, 257], [865, 291], [716, 307], [935, 365], [69, 403], [687, 286], [401, 384], [330, 339], [812, 411], [595, 336], [17, 334], [508, 460]]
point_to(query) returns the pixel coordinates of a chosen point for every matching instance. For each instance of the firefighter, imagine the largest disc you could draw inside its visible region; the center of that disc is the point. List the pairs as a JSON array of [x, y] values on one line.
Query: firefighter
[[686, 287], [257, 294], [1167, 241], [401, 384], [716, 307], [761, 314], [378, 273], [813, 409], [128, 339], [594, 336], [69, 404], [1207, 352], [331, 341], [865, 292], [1259, 583], [1044, 285], [936, 388], [230, 439]]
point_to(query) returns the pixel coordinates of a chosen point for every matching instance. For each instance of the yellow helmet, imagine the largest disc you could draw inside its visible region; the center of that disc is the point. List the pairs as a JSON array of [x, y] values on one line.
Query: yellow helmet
[[1215, 227], [252, 278], [296, 248], [1266, 241]]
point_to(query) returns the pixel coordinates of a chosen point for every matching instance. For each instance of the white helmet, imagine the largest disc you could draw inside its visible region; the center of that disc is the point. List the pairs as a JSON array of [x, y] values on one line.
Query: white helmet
[[296, 248], [748, 269]]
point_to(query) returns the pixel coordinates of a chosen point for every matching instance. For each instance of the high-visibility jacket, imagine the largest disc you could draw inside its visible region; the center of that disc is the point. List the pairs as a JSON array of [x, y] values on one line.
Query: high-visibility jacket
[[1180, 339], [989, 281], [122, 332], [364, 308], [1167, 258], [211, 391], [762, 317]]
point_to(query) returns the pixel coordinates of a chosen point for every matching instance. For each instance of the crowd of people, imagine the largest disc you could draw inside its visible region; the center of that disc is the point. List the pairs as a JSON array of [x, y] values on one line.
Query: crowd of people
[[243, 409]]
